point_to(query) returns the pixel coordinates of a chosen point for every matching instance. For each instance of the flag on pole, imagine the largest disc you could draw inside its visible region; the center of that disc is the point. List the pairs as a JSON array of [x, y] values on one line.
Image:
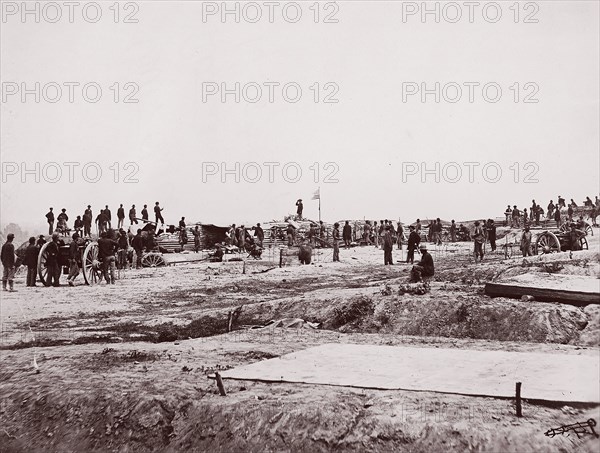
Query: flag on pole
[[317, 194]]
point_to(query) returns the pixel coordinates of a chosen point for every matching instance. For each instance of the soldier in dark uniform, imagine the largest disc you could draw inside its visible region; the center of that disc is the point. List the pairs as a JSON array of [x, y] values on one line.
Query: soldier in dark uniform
[[50, 220], [132, 215], [7, 256], [106, 255], [157, 214], [52, 251], [336, 244], [388, 245], [73, 256], [87, 221], [145, 212], [259, 234], [120, 216], [347, 234], [413, 243], [424, 268], [108, 216], [31, 258]]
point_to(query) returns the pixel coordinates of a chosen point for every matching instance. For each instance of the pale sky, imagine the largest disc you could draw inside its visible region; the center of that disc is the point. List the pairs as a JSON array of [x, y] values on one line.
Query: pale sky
[[368, 135]]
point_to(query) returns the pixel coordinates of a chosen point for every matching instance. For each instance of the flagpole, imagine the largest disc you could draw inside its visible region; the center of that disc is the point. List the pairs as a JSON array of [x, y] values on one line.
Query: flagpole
[[319, 204]]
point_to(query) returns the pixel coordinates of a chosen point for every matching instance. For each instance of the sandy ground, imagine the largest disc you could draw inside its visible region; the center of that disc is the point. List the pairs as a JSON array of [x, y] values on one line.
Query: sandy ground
[[124, 367]]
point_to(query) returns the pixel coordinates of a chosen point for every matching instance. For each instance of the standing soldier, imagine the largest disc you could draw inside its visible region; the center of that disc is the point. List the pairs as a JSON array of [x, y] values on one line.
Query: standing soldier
[[183, 239], [52, 251], [570, 212], [367, 233], [108, 216], [78, 225], [123, 247], [87, 221], [138, 245], [132, 215], [7, 256], [31, 257], [413, 242], [550, 213], [145, 213], [300, 208], [400, 235], [557, 217], [438, 231], [491, 233], [507, 214], [101, 222], [560, 203], [259, 234], [158, 215], [453, 230], [515, 217], [388, 245], [290, 234], [526, 242], [479, 239], [120, 216], [73, 255], [106, 255], [50, 220], [347, 234], [232, 233], [336, 245], [196, 233], [62, 219], [242, 238], [375, 234], [321, 230]]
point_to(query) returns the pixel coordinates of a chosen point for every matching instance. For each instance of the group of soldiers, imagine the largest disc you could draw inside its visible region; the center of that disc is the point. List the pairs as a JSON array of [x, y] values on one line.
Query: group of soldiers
[[83, 224], [517, 218]]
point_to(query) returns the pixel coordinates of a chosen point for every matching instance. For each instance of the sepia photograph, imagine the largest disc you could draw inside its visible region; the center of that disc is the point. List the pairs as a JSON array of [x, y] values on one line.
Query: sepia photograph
[[300, 226]]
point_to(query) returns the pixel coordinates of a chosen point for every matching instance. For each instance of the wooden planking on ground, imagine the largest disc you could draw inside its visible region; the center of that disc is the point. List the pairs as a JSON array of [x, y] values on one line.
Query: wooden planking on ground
[[568, 289], [548, 377]]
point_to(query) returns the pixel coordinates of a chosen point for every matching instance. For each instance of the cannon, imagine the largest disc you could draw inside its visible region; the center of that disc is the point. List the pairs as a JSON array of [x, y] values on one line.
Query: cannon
[[557, 241], [87, 259]]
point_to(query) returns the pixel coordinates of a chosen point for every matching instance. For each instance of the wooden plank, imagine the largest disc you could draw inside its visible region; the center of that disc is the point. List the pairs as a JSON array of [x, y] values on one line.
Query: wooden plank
[[547, 377], [515, 290]]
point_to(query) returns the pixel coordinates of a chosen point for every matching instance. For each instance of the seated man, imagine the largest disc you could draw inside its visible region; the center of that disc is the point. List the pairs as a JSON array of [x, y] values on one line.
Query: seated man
[[423, 268], [216, 257]]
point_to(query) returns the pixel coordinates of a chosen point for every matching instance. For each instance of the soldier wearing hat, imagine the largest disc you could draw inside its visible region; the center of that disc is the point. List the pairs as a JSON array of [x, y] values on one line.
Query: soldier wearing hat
[[73, 255], [87, 221], [8, 263], [50, 220], [299, 209], [31, 258], [423, 268], [132, 215], [52, 251], [336, 245]]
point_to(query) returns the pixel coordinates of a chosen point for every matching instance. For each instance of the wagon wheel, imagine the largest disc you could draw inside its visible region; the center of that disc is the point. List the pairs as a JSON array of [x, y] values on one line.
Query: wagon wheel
[[564, 227], [153, 259], [91, 265], [547, 242], [583, 243], [42, 266], [588, 229]]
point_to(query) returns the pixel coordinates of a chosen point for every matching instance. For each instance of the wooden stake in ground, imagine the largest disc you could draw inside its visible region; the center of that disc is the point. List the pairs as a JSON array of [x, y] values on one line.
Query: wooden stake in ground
[[518, 399], [220, 384]]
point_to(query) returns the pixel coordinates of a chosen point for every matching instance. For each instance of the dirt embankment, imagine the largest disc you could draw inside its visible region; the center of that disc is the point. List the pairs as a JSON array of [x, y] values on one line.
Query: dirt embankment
[[90, 398]]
